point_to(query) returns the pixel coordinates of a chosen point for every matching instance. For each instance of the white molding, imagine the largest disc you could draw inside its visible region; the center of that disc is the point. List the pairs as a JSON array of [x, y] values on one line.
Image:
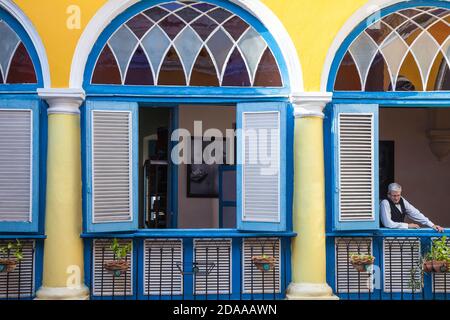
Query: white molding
[[63, 293], [255, 7], [310, 291], [371, 7], [26, 23], [63, 101], [310, 104]]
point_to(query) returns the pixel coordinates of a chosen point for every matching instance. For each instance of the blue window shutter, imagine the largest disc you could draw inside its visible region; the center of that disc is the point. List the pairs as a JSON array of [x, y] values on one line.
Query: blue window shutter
[[19, 165], [261, 166], [355, 205], [112, 166]]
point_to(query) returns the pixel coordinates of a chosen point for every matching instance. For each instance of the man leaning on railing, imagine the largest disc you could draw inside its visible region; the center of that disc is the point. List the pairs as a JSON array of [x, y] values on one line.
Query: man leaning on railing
[[395, 208]]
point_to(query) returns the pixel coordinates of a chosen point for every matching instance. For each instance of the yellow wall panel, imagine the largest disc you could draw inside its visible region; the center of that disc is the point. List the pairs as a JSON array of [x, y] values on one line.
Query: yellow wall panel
[[312, 26], [50, 18]]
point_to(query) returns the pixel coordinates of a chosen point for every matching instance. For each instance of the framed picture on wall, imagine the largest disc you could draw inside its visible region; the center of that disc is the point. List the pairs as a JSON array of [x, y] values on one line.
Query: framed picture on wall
[[203, 178]]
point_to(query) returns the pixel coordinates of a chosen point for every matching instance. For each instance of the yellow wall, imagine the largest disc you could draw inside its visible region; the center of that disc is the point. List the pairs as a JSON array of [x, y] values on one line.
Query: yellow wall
[[49, 18], [312, 26]]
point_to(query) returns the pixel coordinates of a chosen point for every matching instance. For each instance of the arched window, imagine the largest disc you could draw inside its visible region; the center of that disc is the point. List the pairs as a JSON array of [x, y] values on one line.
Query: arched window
[[20, 120], [406, 50], [16, 65], [187, 43]]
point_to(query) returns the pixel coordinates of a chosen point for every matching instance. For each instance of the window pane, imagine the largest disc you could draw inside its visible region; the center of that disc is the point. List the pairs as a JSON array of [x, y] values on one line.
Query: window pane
[[409, 41]]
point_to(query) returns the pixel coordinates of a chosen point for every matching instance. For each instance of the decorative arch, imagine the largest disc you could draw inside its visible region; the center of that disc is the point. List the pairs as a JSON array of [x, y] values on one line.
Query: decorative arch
[[275, 37], [386, 38], [24, 59]]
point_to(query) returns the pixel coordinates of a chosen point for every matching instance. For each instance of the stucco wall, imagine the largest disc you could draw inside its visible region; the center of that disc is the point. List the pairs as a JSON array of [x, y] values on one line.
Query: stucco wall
[[312, 26], [425, 180]]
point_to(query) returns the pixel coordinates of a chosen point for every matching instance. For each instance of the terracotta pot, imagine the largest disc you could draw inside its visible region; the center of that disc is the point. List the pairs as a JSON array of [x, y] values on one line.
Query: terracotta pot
[[361, 264], [7, 265], [435, 266], [263, 263], [116, 267]]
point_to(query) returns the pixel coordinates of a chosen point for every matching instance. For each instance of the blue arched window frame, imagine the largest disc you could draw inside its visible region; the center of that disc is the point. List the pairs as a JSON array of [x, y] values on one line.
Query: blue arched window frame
[[124, 90], [171, 96], [412, 98], [28, 43]]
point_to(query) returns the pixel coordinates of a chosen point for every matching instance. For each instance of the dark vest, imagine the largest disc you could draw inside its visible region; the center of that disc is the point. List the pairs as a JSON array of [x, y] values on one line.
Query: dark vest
[[396, 214]]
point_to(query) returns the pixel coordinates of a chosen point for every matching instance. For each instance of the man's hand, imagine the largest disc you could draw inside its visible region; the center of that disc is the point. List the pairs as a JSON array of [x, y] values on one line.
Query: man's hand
[[438, 228], [413, 226]]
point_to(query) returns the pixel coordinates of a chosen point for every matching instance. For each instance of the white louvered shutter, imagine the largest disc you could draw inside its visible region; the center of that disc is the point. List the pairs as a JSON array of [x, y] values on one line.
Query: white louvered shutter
[[357, 167], [113, 157], [163, 267], [213, 258], [262, 171], [402, 265], [105, 283], [19, 283], [254, 280], [347, 278], [16, 165]]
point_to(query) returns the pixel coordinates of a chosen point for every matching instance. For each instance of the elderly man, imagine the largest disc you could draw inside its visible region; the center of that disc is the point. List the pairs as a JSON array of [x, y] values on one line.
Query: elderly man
[[395, 208]]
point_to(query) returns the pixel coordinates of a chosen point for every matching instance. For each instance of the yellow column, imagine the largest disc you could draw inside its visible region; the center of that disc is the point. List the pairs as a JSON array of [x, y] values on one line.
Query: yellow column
[[308, 248], [63, 276]]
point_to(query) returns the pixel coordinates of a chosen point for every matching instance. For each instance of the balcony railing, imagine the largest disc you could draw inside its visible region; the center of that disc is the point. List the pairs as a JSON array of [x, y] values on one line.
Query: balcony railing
[[396, 273], [204, 266], [19, 283]]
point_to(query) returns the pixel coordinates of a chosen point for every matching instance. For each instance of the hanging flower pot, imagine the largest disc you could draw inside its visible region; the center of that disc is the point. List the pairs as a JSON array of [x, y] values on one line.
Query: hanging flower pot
[[361, 262], [264, 263], [116, 267], [7, 265], [435, 266]]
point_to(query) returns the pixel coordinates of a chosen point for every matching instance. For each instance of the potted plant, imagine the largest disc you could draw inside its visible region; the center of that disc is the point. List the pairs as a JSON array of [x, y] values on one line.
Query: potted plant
[[264, 262], [438, 258], [361, 262], [119, 265], [10, 256]]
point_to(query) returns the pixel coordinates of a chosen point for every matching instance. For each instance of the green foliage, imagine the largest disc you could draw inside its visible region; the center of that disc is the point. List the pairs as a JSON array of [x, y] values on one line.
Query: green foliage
[[120, 251], [360, 255], [14, 249], [439, 251]]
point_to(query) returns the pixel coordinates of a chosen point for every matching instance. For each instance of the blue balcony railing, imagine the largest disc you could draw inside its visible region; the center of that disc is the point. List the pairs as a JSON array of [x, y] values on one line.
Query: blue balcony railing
[[397, 271], [190, 265]]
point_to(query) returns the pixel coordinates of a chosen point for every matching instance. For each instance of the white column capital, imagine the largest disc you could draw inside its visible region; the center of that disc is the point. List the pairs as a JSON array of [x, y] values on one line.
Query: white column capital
[[310, 104], [63, 100]]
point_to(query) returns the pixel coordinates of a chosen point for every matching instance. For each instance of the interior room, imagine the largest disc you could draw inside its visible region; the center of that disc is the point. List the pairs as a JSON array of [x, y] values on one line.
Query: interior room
[[415, 152], [186, 196]]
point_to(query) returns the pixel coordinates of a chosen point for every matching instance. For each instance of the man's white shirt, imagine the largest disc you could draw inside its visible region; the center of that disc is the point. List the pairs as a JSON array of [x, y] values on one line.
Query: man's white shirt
[[413, 213]]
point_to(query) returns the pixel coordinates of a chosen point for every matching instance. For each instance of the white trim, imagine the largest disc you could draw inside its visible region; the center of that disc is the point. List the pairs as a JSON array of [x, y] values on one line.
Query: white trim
[[310, 104], [371, 7], [115, 7], [62, 101], [26, 23]]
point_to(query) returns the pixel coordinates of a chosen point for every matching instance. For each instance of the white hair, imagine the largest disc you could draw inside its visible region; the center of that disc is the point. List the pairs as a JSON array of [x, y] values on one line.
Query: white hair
[[394, 187]]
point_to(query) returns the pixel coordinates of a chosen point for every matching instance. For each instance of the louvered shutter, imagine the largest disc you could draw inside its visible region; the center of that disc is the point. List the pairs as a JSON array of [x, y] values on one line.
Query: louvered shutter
[[401, 265], [105, 283], [356, 167], [19, 283], [19, 165], [112, 166], [254, 280], [163, 264], [213, 260], [261, 167], [348, 279]]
